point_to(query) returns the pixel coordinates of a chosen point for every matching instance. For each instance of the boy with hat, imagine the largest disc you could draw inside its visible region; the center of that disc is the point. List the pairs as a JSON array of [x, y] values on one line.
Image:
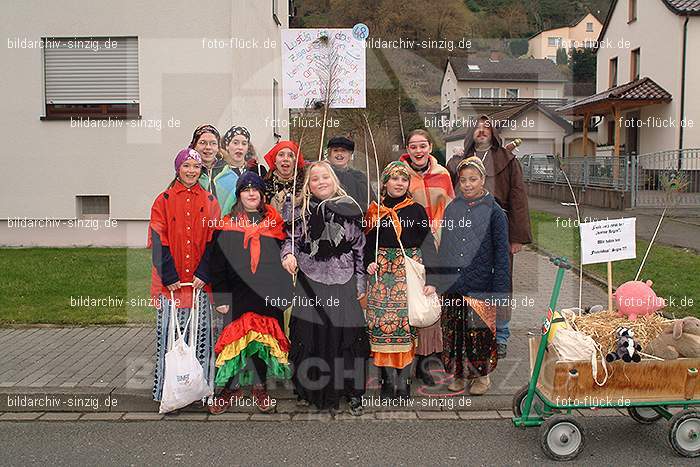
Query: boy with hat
[[354, 182]]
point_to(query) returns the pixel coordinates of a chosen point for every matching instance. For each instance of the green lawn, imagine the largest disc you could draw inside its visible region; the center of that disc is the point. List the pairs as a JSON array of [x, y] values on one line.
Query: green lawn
[[674, 271], [45, 285]]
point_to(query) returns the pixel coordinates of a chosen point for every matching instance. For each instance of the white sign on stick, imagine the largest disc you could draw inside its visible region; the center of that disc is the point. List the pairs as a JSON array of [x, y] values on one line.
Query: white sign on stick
[[305, 64], [608, 240]]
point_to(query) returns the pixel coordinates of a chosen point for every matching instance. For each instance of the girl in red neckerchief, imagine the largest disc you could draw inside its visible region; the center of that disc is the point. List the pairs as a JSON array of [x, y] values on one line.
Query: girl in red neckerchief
[[251, 291]]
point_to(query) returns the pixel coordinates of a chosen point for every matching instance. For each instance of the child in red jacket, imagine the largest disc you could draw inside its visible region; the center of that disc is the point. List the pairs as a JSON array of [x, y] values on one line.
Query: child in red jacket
[[183, 218]]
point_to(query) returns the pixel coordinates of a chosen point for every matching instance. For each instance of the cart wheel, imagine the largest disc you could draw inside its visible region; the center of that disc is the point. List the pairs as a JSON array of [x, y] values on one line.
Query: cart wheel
[[684, 434], [644, 415], [561, 438], [519, 402]]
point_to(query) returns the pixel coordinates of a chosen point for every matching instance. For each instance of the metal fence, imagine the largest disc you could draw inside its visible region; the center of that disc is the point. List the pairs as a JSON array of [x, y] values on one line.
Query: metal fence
[[645, 177], [603, 172]]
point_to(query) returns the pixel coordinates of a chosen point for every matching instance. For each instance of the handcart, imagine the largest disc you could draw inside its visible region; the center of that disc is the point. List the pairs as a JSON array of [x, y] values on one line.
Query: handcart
[[647, 390]]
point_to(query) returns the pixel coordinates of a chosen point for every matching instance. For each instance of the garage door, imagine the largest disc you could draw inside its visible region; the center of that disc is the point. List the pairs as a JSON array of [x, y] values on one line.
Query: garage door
[[536, 146]]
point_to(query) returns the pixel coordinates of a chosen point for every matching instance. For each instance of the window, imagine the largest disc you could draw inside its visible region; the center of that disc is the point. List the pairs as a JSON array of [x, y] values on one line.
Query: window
[[631, 10], [96, 77], [634, 65], [512, 93], [92, 206], [554, 41], [275, 12], [546, 93], [275, 109], [611, 133], [589, 27], [474, 68], [484, 92], [612, 73]]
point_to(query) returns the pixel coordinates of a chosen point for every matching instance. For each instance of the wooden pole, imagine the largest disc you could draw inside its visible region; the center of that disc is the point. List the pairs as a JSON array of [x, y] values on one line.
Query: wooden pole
[[618, 125], [610, 292], [586, 117]]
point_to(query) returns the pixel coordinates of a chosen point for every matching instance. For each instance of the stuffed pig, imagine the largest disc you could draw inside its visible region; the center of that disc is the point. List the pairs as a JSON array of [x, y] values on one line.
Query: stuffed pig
[[636, 298]]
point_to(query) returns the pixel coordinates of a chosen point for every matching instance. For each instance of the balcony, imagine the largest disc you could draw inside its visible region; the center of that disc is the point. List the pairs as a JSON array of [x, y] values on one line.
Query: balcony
[[467, 103]]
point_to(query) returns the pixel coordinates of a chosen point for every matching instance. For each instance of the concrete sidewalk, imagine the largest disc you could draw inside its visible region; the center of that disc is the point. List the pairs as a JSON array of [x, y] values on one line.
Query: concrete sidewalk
[[109, 369], [679, 230]]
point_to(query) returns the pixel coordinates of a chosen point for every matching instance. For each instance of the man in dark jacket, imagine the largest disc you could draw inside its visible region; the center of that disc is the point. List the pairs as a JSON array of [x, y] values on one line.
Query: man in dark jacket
[[504, 179], [354, 182]]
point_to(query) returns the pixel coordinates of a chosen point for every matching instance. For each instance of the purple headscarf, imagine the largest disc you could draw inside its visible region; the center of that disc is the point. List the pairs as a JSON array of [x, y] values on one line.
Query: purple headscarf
[[185, 154]]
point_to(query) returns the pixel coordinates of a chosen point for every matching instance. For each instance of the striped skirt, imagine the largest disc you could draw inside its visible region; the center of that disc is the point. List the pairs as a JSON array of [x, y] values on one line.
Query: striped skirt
[[203, 350]]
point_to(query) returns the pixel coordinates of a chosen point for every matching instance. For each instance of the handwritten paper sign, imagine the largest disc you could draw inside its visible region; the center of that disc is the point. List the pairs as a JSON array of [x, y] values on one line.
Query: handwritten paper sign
[[608, 240], [307, 57]]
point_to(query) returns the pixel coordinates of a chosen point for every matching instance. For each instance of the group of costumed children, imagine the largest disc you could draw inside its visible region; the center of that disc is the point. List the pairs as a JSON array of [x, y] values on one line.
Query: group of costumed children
[[311, 240]]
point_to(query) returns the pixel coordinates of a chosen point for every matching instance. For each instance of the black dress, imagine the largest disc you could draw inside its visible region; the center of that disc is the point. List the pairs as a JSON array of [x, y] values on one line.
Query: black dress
[[327, 330], [256, 303], [266, 292]]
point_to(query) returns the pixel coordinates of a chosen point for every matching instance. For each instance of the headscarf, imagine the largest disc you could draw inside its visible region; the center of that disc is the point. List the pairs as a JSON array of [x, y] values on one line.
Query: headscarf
[[375, 212], [473, 162], [184, 155], [250, 180], [272, 153], [395, 168], [235, 131], [200, 130]]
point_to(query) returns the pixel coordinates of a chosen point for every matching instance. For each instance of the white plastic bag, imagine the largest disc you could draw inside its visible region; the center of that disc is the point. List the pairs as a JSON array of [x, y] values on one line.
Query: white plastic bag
[[423, 310], [183, 378]]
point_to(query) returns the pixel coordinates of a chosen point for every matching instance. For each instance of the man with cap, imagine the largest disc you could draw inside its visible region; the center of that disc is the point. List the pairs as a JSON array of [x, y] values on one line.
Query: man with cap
[[354, 182]]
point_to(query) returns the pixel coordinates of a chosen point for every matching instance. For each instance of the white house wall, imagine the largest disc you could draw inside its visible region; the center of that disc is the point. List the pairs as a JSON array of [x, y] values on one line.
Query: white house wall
[[180, 78], [659, 35]]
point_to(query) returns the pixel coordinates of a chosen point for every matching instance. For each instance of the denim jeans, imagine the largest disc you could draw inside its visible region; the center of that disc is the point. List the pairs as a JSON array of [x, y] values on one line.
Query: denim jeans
[[502, 331]]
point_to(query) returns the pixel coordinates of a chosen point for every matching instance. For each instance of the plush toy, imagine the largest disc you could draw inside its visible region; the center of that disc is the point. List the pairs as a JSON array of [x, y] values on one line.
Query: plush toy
[[679, 339], [636, 298], [627, 348], [593, 309]]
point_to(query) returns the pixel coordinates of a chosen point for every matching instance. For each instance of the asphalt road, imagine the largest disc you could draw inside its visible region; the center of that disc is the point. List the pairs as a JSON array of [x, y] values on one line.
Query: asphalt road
[[609, 441]]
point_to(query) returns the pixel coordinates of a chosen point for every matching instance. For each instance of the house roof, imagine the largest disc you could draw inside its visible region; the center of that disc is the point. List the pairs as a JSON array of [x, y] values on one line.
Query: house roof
[[573, 24], [641, 90], [512, 113], [683, 7], [679, 7], [506, 69]]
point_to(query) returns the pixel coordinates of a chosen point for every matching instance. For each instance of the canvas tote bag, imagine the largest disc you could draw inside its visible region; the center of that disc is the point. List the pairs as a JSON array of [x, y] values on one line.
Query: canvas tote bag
[[572, 346], [423, 310], [183, 379]]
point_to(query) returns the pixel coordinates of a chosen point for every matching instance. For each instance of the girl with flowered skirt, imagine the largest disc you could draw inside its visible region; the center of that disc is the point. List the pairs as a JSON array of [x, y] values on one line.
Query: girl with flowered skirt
[[392, 339]]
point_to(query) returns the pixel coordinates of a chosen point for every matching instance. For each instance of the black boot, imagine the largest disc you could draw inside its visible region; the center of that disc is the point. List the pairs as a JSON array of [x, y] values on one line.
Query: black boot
[[403, 386], [423, 372], [388, 382]]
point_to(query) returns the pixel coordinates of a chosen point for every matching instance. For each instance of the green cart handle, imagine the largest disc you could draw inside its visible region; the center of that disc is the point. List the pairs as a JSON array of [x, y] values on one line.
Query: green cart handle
[[563, 264]]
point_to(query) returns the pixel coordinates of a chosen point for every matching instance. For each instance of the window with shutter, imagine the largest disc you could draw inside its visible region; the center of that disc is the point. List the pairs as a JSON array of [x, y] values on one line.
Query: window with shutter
[[95, 77]]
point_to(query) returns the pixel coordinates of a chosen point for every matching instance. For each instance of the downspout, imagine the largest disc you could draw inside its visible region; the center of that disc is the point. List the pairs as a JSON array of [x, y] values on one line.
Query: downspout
[[685, 51]]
